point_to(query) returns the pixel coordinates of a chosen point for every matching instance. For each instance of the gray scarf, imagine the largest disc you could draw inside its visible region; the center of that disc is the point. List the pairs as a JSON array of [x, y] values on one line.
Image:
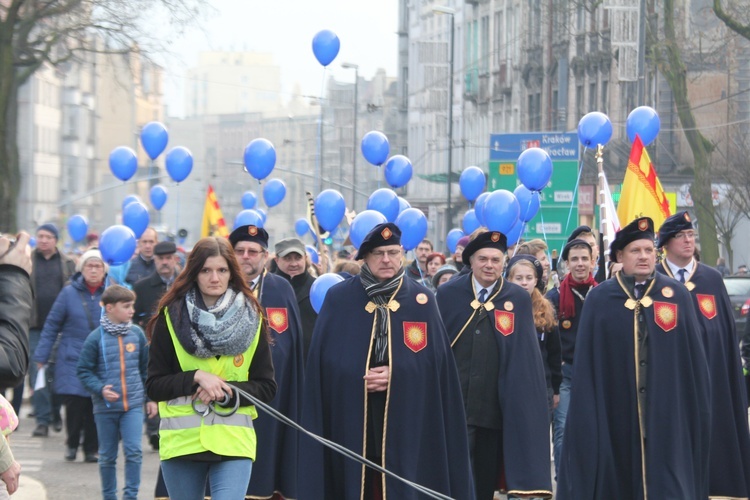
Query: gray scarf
[[115, 329], [380, 292], [225, 329]]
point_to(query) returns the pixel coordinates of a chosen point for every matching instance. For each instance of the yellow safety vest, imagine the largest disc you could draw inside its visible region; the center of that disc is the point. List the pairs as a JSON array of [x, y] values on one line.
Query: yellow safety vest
[[182, 431]]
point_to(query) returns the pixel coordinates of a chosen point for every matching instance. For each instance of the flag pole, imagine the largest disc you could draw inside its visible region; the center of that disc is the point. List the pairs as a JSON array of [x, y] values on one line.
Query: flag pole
[[604, 216]]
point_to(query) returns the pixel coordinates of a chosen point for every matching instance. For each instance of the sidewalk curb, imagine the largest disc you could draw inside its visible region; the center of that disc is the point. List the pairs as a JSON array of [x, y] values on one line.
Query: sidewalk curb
[[29, 489]]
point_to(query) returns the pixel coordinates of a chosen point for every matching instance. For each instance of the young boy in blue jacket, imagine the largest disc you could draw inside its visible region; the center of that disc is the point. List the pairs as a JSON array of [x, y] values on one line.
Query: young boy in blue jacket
[[113, 367]]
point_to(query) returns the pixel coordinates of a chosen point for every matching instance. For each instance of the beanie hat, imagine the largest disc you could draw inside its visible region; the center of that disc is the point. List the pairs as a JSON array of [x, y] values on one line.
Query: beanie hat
[[50, 228], [91, 254]]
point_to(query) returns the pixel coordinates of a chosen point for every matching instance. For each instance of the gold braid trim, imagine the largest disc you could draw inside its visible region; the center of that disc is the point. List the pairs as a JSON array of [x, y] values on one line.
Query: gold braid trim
[[489, 300]]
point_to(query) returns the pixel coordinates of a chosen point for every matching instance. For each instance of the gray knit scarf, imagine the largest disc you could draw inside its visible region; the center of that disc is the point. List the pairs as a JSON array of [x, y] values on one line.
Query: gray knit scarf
[[115, 329], [380, 292], [225, 329]]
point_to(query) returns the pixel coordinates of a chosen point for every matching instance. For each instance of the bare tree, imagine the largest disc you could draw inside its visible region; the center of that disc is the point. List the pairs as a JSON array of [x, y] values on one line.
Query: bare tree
[[737, 20], [38, 32]]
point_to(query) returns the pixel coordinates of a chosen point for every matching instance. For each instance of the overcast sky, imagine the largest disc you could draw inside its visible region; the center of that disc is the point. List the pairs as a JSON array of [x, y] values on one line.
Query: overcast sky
[[285, 28]]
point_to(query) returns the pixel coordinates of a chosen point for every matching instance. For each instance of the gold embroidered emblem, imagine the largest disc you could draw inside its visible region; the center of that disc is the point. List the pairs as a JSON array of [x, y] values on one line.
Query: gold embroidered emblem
[[667, 292], [386, 233], [415, 335], [421, 298], [707, 305], [566, 324], [495, 237], [252, 231], [665, 315], [508, 305], [238, 360], [130, 347]]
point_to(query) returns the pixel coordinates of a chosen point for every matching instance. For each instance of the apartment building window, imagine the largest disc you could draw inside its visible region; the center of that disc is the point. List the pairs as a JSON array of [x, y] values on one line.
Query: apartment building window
[[535, 22], [484, 62], [553, 111], [605, 97], [471, 85], [580, 18], [534, 111], [592, 97], [498, 49], [579, 102]]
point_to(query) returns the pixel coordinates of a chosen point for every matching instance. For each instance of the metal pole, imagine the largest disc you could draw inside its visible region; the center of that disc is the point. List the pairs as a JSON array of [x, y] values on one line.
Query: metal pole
[[642, 54], [354, 139], [449, 217]]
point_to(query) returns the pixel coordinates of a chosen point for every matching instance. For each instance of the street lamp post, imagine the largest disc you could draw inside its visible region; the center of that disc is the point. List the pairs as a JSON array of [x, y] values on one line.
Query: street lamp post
[[355, 67], [451, 12]]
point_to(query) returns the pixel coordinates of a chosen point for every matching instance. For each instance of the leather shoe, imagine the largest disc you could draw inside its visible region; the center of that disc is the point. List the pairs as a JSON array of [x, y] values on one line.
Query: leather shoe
[[40, 431], [57, 425], [70, 454], [91, 458]]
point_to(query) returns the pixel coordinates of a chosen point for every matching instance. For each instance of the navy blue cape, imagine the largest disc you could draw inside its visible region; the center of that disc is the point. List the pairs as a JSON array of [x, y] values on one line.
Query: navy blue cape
[[729, 463], [602, 455], [425, 428], [522, 384]]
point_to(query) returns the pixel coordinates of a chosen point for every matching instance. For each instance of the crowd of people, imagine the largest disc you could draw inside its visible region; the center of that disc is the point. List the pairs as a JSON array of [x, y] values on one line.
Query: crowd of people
[[484, 362]]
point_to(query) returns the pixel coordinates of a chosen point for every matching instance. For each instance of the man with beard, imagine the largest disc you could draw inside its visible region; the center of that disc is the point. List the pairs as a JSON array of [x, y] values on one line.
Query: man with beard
[[381, 380], [275, 468], [491, 328], [639, 420], [729, 473]]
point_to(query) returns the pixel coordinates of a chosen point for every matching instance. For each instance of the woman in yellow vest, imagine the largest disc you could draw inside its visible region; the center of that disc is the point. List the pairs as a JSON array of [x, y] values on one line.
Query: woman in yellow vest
[[209, 332]]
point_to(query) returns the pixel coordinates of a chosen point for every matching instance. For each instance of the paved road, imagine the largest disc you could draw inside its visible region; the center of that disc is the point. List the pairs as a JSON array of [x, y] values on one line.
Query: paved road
[[46, 475]]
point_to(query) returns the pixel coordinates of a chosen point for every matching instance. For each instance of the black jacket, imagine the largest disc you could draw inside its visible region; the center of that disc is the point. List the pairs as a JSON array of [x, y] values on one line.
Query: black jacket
[[15, 312], [148, 292], [302, 284]]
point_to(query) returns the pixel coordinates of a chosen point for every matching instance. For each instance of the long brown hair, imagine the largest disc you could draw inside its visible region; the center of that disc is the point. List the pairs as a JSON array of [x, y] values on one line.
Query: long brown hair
[[544, 313], [205, 248]]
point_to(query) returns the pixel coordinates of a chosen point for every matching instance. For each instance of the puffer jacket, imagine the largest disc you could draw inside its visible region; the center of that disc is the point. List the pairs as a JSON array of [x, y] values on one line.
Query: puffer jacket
[[15, 310], [69, 318], [117, 360]]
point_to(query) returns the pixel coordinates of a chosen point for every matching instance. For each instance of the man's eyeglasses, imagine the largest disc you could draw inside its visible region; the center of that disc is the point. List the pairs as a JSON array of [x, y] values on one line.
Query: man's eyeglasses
[[379, 254], [685, 235], [249, 251]]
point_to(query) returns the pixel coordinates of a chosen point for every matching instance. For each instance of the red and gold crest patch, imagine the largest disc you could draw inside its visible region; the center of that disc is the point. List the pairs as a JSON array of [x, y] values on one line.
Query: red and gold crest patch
[[130, 347], [707, 305], [386, 233], [687, 217], [504, 322], [278, 318], [252, 230], [495, 237], [238, 360], [643, 224], [415, 335], [665, 315]]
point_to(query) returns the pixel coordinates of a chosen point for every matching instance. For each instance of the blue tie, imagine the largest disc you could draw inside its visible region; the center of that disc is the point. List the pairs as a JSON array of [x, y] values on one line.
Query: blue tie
[[482, 295], [682, 273]]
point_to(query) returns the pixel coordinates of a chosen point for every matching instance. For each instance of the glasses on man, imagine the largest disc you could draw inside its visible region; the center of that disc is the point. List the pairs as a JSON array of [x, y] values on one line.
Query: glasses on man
[[392, 254], [685, 235], [249, 251]]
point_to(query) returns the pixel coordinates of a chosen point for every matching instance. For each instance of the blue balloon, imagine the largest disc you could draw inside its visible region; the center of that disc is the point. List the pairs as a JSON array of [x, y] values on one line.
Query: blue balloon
[[375, 147], [179, 163], [274, 192], [117, 244], [249, 200], [470, 222], [454, 235], [398, 171], [263, 214], [413, 226], [325, 46], [594, 129], [260, 158], [514, 233], [363, 224], [472, 182], [534, 168], [135, 216], [403, 204], [501, 210], [78, 226], [479, 207], [528, 201], [131, 198], [248, 218], [330, 208], [32, 242], [123, 162], [320, 287], [313, 253], [645, 122], [385, 201], [301, 227], [154, 138], [158, 196]]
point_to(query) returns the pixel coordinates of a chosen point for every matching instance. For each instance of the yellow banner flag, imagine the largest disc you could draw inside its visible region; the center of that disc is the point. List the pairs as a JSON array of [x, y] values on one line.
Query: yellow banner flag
[[213, 220], [642, 194]]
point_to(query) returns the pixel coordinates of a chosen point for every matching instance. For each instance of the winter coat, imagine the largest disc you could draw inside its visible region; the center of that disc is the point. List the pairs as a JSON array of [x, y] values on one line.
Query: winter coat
[[108, 359], [15, 311], [69, 318]]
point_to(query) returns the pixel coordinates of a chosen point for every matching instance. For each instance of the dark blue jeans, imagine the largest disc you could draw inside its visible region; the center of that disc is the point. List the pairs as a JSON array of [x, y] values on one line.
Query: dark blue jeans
[[186, 479]]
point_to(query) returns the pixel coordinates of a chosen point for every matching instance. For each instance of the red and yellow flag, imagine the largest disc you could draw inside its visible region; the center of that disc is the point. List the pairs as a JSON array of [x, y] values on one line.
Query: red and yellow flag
[[642, 194], [213, 220]]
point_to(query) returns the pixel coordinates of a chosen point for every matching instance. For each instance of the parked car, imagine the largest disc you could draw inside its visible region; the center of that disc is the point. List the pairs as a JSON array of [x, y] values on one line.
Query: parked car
[[738, 288]]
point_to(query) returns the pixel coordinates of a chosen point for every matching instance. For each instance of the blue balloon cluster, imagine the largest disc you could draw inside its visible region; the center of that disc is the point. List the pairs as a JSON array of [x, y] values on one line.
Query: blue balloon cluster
[[274, 192], [179, 163], [158, 195], [117, 244], [78, 226], [643, 121], [501, 210], [479, 208], [326, 46], [330, 208], [320, 288], [413, 225], [594, 129], [375, 147], [472, 182], [123, 162], [363, 224], [154, 138], [385, 201], [398, 171], [260, 158]]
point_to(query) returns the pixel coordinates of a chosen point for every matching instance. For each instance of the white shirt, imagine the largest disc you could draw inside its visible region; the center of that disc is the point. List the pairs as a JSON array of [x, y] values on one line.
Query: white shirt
[[479, 287], [675, 270]]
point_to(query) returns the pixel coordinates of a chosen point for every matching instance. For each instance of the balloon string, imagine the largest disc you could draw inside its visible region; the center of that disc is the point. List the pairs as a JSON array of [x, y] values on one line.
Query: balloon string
[[320, 132], [575, 191], [177, 212]]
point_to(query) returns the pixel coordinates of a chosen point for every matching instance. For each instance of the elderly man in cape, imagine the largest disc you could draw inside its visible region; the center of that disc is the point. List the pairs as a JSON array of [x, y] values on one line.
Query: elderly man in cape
[[380, 380], [639, 420]]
